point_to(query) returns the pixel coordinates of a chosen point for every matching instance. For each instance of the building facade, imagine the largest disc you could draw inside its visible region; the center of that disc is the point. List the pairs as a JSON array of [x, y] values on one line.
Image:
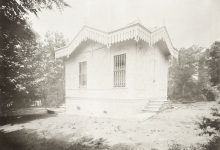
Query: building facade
[[116, 73]]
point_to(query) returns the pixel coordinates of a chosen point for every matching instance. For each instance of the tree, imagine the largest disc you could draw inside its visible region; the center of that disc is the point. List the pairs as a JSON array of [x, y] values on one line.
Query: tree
[[50, 71], [214, 63], [184, 75], [196, 75], [17, 43]]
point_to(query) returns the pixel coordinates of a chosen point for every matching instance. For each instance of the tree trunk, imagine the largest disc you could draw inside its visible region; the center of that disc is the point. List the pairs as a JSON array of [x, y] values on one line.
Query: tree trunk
[[183, 90]]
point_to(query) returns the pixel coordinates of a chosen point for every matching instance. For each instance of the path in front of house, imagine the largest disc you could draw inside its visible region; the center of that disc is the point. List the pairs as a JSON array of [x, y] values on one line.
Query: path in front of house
[[176, 125]]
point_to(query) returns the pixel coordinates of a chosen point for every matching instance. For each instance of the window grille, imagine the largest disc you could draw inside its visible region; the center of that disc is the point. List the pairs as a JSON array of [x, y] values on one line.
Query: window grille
[[119, 70], [83, 74]]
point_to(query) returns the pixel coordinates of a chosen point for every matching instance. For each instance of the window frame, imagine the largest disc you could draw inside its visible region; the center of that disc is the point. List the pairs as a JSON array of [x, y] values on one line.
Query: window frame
[[83, 75], [119, 71]]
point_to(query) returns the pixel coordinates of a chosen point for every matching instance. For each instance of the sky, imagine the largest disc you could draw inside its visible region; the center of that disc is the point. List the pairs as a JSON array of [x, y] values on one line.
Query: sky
[[189, 22]]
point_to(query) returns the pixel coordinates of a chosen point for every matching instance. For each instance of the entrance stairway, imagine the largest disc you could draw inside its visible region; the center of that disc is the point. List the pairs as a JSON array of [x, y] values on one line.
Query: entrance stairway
[[154, 106]]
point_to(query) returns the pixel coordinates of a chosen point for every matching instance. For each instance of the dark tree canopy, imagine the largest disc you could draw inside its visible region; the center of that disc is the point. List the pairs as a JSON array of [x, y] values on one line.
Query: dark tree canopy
[[196, 74], [17, 46], [214, 63]]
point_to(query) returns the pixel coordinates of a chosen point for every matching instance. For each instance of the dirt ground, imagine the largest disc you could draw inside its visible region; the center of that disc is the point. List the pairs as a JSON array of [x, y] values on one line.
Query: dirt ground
[[175, 126]]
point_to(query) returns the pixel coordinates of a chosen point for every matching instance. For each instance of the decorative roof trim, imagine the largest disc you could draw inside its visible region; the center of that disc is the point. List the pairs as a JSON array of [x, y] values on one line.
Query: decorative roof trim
[[135, 31]]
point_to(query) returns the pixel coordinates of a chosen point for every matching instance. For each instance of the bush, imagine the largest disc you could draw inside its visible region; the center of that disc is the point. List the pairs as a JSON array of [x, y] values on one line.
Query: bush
[[212, 93], [182, 147], [209, 95], [177, 147], [213, 144], [211, 126]]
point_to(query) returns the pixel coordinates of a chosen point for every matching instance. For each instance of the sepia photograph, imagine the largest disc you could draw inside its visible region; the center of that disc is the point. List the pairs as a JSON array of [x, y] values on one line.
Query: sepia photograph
[[109, 74]]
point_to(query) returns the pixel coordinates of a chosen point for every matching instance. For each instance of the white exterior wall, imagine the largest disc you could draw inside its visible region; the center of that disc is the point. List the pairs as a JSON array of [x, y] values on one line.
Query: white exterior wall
[[146, 78], [152, 72]]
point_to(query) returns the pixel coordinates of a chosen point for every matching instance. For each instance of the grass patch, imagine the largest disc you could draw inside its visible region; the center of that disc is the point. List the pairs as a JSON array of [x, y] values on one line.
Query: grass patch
[[87, 143], [122, 146], [181, 147]]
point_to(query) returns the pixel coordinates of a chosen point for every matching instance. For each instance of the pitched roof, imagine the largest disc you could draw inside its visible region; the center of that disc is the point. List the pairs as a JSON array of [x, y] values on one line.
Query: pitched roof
[[134, 31]]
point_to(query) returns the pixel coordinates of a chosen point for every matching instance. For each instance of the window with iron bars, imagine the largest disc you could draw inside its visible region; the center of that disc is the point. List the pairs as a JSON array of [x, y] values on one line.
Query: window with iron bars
[[120, 70]]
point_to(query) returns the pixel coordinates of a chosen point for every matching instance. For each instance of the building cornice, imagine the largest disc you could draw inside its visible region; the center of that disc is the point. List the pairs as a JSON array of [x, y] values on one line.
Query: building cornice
[[134, 31]]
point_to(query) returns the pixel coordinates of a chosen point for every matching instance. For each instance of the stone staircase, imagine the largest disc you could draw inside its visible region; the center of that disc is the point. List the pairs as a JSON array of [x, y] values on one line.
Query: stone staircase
[[151, 109], [154, 106]]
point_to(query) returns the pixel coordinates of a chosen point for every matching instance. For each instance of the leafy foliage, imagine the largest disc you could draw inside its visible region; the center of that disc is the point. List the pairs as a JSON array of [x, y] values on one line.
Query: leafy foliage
[[18, 44], [183, 79], [211, 127], [214, 63], [191, 77], [49, 75]]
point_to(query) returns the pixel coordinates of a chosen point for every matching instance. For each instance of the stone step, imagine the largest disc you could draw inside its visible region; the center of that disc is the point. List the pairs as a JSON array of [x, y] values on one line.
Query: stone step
[[156, 102], [148, 110], [153, 106]]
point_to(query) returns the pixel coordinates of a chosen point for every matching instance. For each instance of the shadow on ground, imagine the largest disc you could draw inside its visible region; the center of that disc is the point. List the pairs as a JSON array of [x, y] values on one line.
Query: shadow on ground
[[29, 139], [26, 140], [22, 118]]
